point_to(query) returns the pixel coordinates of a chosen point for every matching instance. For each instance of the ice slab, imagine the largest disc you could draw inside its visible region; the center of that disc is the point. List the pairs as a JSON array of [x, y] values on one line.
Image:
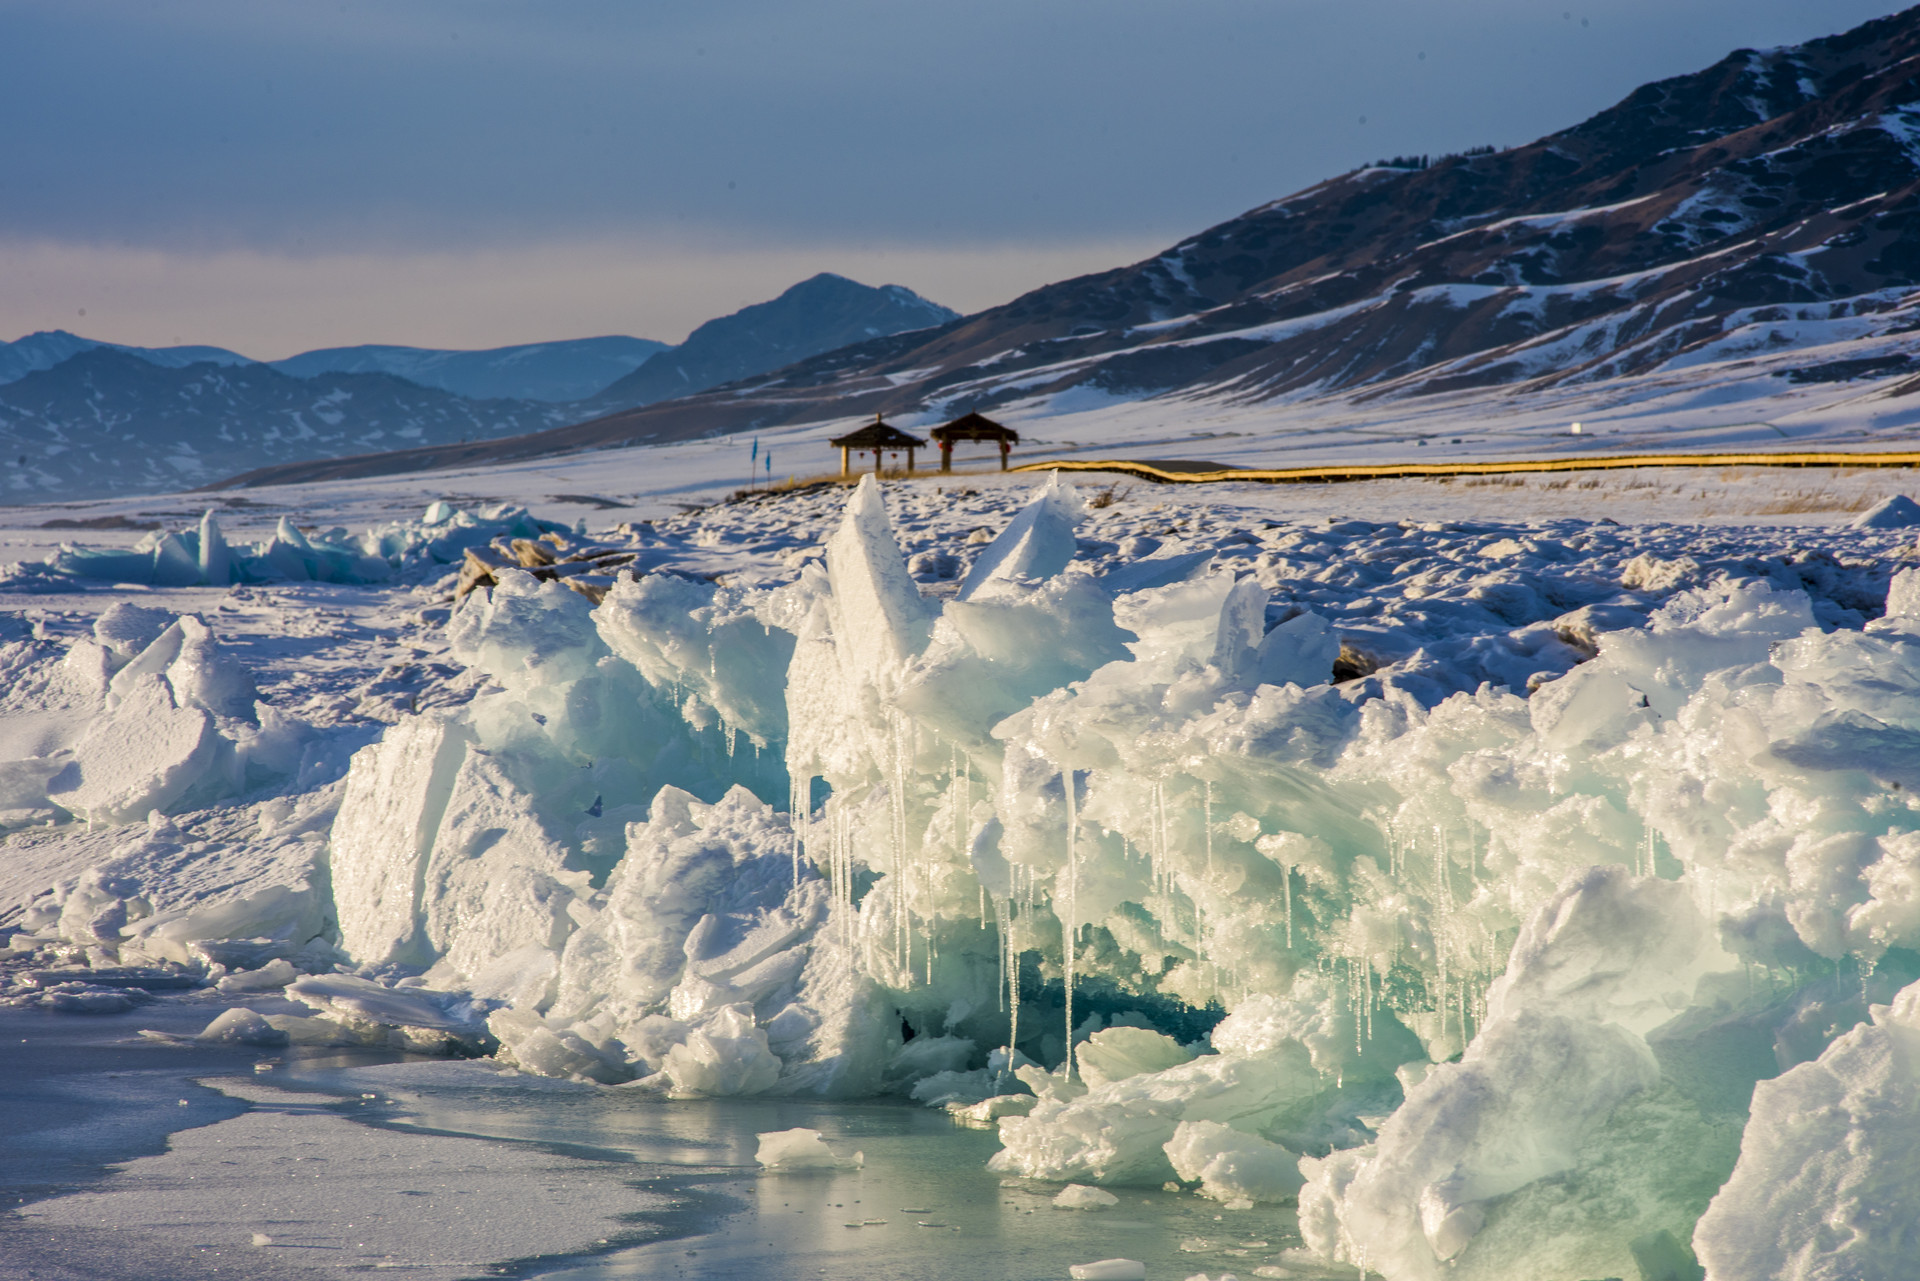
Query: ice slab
[[241, 1026], [1232, 1165], [396, 792], [1828, 1182], [1078, 1196], [800, 1149], [1109, 1270], [140, 757], [1037, 544]]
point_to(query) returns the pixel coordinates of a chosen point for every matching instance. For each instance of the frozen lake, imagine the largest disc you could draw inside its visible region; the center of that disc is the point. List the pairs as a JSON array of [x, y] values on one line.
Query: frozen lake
[[1368, 784], [625, 1185]]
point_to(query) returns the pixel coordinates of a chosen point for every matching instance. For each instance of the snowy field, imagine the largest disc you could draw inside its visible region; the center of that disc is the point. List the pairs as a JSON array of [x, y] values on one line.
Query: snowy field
[[1467, 878]]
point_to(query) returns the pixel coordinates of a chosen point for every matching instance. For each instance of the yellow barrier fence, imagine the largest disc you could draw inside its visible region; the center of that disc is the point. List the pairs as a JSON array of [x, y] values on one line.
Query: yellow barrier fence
[[1401, 471]]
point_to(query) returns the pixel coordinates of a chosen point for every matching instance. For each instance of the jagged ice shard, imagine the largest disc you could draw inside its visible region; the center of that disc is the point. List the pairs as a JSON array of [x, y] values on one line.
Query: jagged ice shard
[[1584, 984]]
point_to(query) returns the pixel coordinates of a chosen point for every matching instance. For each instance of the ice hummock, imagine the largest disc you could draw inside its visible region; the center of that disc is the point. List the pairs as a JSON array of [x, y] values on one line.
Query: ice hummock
[[1486, 961], [1160, 787], [202, 556]]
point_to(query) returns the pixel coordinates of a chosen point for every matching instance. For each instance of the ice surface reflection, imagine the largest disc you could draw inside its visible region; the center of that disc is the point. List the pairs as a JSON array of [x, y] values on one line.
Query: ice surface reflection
[[922, 1206]]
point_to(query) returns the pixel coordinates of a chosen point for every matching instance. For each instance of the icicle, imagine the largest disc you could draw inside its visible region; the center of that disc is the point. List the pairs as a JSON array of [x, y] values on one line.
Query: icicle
[[799, 797], [1286, 897], [1366, 980], [1353, 1002], [1012, 954], [1068, 924], [1206, 812], [1002, 915]]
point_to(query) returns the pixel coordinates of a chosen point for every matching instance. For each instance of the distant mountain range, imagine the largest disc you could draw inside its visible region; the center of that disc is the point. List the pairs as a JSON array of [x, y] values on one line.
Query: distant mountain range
[[80, 418], [569, 370], [106, 421], [50, 347], [1769, 202], [558, 372]]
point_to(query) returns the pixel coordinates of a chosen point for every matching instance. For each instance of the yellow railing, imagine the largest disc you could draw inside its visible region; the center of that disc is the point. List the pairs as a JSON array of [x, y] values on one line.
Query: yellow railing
[[1399, 471]]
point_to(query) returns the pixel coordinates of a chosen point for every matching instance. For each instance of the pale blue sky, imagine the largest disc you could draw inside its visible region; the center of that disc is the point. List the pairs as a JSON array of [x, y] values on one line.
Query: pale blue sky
[[274, 174]]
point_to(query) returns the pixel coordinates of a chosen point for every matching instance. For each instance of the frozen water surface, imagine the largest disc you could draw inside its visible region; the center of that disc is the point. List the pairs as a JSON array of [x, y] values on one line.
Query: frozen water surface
[[343, 1163]]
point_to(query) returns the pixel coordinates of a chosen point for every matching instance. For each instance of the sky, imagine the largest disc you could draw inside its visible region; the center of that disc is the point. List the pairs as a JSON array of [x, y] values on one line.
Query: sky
[[278, 175]]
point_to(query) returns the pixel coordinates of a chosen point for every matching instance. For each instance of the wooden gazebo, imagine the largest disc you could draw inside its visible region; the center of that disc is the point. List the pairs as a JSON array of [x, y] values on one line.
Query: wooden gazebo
[[880, 437], [973, 427]]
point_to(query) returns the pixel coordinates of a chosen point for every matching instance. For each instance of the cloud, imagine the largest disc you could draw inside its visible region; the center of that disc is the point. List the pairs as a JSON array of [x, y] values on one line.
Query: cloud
[[363, 123], [478, 171], [267, 305]]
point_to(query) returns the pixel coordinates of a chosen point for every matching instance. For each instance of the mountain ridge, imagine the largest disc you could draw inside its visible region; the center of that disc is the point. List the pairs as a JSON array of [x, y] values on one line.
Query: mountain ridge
[[563, 371], [46, 348], [106, 419]]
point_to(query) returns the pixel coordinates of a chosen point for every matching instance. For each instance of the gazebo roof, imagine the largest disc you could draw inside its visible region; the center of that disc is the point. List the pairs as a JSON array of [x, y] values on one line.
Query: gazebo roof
[[975, 427], [877, 434]]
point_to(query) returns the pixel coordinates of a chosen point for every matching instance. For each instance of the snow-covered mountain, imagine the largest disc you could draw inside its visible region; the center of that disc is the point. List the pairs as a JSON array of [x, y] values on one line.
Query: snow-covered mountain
[[550, 371], [1766, 206], [107, 421], [83, 418], [820, 314], [49, 347], [595, 376]]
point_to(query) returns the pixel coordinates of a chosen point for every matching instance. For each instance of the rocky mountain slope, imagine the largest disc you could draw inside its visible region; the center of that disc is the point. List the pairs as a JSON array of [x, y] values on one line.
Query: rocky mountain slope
[[1769, 201]]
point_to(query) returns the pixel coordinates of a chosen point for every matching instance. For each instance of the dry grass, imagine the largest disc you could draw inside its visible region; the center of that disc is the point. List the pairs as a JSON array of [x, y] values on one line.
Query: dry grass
[[793, 483], [1808, 500]]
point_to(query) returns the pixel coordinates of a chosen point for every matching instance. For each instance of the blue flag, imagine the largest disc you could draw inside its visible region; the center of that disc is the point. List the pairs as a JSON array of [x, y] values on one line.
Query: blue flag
[[756, 449]]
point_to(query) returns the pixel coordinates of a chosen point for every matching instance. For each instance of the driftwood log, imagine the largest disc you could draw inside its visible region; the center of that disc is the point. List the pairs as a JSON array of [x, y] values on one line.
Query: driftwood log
[[589, 570]]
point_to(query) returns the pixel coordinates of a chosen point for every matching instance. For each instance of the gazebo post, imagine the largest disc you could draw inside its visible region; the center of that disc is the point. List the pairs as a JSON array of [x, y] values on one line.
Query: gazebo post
[[877, 437], [1004, 447], [946, 455]]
